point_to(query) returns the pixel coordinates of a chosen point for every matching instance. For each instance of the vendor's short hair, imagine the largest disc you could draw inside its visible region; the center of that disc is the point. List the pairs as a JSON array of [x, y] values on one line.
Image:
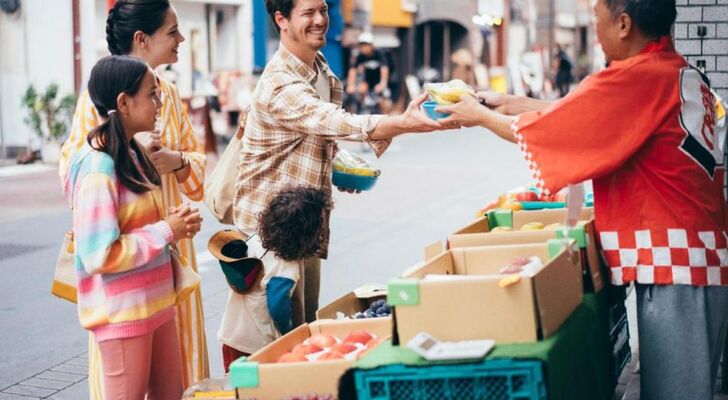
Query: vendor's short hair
[[284, 6], [294, 222], [654, 18]]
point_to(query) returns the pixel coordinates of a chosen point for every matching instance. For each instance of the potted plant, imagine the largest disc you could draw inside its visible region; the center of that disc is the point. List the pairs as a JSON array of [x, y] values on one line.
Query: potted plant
[[49, 117]]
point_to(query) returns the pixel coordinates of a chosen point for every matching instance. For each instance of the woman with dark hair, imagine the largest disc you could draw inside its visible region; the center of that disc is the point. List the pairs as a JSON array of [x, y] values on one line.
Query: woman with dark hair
[[126, 292], [148, 30]]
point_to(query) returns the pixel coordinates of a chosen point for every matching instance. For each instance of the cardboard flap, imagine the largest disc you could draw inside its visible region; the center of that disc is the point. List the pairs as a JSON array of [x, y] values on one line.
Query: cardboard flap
[[558, 290], [382, 327], [277, 381], [440, 265], [500, 317], [593, 258], [433, 250], [480, 225]]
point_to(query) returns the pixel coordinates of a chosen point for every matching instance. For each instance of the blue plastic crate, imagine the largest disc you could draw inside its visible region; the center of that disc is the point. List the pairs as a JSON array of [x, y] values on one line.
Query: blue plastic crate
[[490, 380]]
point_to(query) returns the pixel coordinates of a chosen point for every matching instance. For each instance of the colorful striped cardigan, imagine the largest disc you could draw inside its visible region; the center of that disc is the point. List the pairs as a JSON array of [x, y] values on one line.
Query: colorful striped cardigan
[[125, 282]]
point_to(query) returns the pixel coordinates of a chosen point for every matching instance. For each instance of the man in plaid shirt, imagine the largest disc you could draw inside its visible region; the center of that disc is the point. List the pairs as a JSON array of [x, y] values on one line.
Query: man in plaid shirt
[[293, 125], [644, 131]]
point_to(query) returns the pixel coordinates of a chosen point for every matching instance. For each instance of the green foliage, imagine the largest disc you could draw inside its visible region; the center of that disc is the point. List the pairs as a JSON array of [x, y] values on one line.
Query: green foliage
[[49, 117]]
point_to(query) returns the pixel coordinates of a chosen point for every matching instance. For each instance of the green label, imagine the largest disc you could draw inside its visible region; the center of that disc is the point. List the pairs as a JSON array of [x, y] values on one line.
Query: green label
[[577, 233], [402, 292], [556, 245], [244, 373], [500, 217]]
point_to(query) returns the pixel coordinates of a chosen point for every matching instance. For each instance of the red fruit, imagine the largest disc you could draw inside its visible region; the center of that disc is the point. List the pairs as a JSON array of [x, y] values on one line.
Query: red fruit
[[527, 196], [343, 348], [331, 355], [290, 357], [306, 349], [358, 337], [322, 340]]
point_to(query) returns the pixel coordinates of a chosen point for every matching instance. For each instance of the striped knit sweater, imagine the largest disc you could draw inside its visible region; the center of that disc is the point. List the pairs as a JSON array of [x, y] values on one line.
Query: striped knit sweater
[[125, 282]]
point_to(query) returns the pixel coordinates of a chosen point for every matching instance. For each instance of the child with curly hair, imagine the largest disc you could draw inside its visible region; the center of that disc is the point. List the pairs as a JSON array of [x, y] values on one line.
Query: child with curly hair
[[290, 230]]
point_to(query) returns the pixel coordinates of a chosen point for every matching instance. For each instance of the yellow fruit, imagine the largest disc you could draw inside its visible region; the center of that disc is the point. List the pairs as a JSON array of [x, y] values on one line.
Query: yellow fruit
[[449, 92], [512, 205], [552, 227], [532, 226], [501, 229]]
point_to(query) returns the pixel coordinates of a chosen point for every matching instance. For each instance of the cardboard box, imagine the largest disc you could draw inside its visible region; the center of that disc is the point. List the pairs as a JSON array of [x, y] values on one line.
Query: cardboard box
[[261, 377], [349, 304], [476, 307], [478, 233]]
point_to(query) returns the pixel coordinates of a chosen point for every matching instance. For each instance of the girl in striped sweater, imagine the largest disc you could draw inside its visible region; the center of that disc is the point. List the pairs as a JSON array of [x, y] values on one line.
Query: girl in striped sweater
[[126, 291]]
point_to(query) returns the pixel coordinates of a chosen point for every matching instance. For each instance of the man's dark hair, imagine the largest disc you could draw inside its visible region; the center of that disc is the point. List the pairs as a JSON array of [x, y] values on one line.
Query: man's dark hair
[[654, 18], [294, 222], [284, 6]]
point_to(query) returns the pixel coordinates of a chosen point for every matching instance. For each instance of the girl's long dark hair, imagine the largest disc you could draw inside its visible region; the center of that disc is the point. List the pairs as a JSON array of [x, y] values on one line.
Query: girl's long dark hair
[[130, 16], [111, 76]]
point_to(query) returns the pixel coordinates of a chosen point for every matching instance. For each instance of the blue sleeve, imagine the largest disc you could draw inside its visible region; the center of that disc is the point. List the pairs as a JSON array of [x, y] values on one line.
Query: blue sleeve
[[278, 292]]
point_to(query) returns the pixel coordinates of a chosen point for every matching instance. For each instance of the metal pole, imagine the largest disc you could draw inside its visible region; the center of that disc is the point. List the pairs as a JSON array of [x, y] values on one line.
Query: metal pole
[[552, 33]]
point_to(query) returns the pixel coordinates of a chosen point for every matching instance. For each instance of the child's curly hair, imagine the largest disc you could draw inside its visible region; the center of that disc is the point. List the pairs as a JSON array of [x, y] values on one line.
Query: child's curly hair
[[293, 222]]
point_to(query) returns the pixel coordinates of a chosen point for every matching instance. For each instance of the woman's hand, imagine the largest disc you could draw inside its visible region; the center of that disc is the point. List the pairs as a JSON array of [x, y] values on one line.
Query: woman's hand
[[468, 112], [149, 141], [166, 160], [187, 221]]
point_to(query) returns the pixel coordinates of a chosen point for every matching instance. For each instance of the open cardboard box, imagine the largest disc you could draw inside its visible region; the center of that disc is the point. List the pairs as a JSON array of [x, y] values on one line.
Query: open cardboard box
[[260, 377], [478, 233], [349, 304], [476, 307]]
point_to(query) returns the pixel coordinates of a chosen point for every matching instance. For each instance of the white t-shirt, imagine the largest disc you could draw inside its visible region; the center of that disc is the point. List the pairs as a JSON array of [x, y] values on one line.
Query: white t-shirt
[[322, 86], [246, 323]]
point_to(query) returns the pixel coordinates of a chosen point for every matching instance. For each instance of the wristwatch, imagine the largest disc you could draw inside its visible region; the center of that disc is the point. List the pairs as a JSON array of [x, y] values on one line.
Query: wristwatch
[[185, 161]]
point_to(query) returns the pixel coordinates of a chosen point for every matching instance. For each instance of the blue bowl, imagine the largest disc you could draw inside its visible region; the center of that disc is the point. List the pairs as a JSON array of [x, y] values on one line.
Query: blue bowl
[[353, 182], [429, 107]]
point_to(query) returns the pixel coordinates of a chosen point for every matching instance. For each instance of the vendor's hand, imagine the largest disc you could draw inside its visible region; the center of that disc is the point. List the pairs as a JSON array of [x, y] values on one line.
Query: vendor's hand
[[414, 119], [495, 101], [149, 141], [166, 160], [468, 112]]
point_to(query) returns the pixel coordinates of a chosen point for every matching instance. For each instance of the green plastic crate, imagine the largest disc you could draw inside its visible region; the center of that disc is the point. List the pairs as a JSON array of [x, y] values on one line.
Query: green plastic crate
[[489, 380]]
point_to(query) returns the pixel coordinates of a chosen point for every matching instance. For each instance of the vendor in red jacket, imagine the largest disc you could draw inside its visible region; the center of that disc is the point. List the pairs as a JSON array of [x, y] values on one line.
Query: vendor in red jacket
[[644, 131]]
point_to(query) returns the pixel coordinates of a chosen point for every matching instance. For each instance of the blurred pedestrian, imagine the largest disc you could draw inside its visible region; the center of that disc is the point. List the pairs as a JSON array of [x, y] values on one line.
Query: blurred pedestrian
[[149, 30], [294, 123], [126, 291], [644, 130], [564, 75]]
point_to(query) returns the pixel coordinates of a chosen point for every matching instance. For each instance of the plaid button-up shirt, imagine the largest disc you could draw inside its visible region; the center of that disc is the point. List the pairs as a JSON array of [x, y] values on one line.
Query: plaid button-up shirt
[[290, 136]]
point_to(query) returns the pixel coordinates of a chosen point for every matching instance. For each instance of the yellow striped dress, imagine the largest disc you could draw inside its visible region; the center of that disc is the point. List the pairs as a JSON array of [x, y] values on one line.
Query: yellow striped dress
[[176, 134]]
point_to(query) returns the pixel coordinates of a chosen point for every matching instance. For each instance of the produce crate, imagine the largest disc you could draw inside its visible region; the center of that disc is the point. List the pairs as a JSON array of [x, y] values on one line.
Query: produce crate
[[489, 380]]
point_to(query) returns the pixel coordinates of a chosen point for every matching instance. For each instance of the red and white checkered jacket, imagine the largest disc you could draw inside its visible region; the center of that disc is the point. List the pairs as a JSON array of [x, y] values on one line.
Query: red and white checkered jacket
[[644, 131]]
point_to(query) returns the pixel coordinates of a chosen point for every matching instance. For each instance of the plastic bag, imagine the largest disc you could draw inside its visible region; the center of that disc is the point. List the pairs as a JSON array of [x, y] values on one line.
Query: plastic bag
[[448, 92]]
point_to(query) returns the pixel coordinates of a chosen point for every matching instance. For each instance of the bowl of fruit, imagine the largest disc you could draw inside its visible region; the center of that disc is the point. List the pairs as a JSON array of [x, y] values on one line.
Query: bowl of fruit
[[443, 94], [352, 172]]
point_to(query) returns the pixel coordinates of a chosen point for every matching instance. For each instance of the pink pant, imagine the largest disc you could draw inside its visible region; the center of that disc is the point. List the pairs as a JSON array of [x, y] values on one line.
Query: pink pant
[[144, 365]]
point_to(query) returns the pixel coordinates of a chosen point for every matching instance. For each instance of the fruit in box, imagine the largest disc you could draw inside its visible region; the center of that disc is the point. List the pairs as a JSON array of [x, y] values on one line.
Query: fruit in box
[[511, 205], [331, 355], [527, 196], [343, 348], [451, 92], [322, 340], [358, 337], [291, 357], [501, 229], [554, 226], [532, 226], [306, 349]]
